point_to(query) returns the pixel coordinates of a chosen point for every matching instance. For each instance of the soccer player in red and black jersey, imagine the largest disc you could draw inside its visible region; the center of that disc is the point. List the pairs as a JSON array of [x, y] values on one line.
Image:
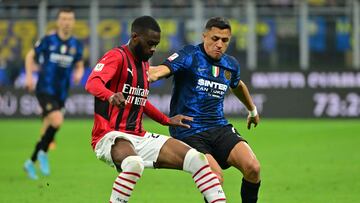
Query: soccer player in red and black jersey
[[120, 85]]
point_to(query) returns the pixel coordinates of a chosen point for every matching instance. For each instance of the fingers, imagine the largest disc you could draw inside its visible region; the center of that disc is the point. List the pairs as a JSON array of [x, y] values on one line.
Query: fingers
[[184, 125], [178, 121], [187, 118], [118, 100], [251, 120]]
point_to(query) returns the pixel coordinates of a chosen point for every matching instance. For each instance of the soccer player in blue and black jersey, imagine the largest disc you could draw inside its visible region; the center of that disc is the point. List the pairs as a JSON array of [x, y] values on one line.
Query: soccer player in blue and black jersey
[[58, 58], [202, 75]]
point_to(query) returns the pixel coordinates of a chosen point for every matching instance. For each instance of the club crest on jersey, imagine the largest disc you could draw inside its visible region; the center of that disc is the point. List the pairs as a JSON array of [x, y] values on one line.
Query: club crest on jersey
[[215, 71], [227, 74], [99, 67], [63, 49], [72, 50], [173, 56]]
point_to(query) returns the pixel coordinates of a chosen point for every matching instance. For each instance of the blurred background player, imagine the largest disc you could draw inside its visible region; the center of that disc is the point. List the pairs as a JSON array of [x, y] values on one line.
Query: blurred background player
[[59, 56], [120, 84], [202, 75]]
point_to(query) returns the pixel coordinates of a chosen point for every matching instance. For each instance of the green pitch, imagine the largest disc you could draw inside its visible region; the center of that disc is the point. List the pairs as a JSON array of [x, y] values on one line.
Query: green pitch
[[303, 161]]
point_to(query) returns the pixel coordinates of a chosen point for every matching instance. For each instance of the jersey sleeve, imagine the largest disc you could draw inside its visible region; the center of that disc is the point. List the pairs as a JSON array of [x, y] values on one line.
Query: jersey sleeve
[[155, 114], [178, 61], [40, 47], [79, 51], [235, 76], [102, 73]]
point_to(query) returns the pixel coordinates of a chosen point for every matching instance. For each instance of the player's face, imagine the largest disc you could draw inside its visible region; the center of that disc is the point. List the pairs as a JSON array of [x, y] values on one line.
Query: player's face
[[146, 45], [66, 22], [216, 41]]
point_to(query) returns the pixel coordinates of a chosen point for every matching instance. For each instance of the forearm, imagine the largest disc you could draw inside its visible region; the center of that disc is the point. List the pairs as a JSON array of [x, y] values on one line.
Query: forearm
[[30, 63], [155, 114], [79, 71], [158, 72], [243, 94]]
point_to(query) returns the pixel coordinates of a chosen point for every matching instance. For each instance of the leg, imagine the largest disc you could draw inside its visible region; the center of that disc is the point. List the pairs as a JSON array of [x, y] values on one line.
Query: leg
[[177, 155], [215, 167], [131, 166], [243, 158], [51, 123]]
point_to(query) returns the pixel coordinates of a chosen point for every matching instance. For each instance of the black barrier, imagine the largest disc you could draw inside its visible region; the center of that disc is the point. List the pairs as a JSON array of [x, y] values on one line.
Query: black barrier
[[276, 95]]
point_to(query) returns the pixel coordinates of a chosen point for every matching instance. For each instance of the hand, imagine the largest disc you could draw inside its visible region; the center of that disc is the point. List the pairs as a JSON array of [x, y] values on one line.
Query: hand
[[118, 100], [29, 84], [77, 79], [255, 120], [177, 121]]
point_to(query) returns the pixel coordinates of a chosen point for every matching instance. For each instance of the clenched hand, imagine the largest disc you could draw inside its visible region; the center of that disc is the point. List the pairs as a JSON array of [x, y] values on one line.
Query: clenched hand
[[118, 100]]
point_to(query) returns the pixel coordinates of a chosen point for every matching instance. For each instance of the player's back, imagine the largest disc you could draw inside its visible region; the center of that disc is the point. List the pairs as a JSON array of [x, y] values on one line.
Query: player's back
[[57, 58]]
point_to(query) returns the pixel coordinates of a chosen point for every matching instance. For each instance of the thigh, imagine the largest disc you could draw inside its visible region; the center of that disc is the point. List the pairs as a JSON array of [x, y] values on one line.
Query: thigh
[[224, 139], [49, 104], [149, 147], [114, 147], [241, 156], [121, 149], [172, 154]]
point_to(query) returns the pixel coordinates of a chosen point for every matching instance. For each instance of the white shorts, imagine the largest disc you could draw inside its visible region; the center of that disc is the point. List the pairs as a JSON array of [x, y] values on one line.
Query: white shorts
[[147, 147]]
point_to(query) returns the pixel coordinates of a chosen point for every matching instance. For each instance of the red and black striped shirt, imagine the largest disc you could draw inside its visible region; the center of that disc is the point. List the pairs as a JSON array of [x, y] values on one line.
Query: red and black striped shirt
[[119, 71]]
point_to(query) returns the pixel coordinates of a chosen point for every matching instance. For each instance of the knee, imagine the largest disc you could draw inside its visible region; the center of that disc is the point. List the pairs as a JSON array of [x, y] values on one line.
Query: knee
[[252, 171], [193, 161], [133, 164], [56, 119]]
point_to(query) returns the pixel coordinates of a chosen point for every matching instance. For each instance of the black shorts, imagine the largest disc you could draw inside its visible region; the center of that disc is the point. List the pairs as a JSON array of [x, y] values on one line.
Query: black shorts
[[218, 142], [49, 103]]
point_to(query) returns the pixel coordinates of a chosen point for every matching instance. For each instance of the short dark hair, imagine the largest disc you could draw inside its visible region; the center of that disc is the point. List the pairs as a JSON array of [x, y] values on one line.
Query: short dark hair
[[144, 23], [219, 22], [65, 10]]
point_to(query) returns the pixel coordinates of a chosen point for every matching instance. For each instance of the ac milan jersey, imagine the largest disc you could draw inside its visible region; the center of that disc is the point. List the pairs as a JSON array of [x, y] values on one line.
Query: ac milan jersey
[[57, 59], [200, 84], [119, 71]]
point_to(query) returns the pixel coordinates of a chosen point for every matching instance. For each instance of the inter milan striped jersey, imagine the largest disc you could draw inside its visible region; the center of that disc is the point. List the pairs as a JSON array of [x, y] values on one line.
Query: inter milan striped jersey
[[57, 59], [200, 84], [119, 71]]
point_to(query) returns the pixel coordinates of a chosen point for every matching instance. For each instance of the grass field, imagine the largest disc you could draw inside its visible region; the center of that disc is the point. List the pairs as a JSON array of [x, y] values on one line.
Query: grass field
[[303, 161]]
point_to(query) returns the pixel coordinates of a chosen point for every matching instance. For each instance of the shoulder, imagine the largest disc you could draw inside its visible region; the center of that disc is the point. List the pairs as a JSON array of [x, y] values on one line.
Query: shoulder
[[232, 61], [190, 49], [185, 53], [76, 41], [48, 37], [115, 53]]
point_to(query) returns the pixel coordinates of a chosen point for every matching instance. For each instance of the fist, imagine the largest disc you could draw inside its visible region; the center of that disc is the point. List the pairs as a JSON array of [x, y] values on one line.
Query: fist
[[118, 100]]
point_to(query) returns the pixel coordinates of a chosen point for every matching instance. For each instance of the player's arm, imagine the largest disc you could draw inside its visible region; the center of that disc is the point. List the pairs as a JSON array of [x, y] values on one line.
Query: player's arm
[[243, 94], [101, 74], [30, 66], [158, 116], [158, 72], [78, 71]]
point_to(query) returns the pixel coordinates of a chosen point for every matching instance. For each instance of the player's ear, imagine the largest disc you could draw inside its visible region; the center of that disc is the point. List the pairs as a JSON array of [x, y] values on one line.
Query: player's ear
[[204, 35], [134, 36]]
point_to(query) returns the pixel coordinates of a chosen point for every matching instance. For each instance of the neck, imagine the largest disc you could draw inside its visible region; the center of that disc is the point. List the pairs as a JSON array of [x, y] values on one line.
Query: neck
[[131, 48], [63, 35]]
